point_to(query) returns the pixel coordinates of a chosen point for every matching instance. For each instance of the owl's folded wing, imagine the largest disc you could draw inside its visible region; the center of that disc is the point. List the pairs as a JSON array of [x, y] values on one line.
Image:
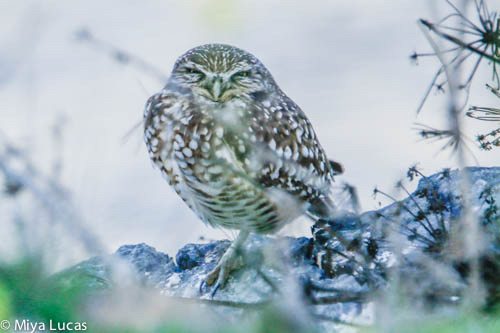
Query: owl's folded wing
[[281, 151]]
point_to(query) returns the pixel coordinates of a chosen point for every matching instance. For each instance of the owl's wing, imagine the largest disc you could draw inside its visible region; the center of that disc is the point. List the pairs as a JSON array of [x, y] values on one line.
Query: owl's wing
[[281, 150], [160, 114]]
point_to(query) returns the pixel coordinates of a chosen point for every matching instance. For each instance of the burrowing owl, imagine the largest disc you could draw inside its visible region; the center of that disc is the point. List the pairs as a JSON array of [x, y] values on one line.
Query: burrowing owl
[[236, 149]]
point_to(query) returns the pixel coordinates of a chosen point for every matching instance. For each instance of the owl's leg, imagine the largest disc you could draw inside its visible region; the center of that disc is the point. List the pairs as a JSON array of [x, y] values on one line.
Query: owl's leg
[[227, 263]]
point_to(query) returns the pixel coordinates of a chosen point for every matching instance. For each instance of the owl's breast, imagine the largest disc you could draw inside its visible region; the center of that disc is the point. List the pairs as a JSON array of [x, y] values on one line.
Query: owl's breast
[[211, 151], [200, 151]]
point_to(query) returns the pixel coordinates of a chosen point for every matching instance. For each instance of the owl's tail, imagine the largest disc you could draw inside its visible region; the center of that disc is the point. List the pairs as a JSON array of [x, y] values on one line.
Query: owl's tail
[[336, 167], [323, 207]]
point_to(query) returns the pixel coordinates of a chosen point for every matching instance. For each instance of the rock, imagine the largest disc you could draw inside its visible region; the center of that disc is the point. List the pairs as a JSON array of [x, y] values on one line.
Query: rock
[[194, 255], [153, 265], [348, 258]]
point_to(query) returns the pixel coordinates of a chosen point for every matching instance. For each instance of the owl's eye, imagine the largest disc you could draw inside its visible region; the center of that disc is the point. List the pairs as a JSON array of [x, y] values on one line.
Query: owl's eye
[[242, 74], [195, 75], [191, 70]]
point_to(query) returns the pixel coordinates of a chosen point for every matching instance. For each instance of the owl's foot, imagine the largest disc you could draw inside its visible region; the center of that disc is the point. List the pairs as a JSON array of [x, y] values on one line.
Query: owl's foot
[[230, 261]]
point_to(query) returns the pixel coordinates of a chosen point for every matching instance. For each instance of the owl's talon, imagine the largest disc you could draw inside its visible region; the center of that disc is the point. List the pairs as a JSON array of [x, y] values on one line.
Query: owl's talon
[[219, 275], [212, 276], [202, 284], [214, 290], [229, 262]]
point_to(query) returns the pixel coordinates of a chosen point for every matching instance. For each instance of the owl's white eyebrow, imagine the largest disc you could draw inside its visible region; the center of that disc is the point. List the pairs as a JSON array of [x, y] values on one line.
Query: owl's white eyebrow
[[241, 69], [192, 65]]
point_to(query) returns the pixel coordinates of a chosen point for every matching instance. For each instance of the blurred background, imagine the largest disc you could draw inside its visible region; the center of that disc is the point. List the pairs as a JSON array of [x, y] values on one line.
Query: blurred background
[[72, 104]]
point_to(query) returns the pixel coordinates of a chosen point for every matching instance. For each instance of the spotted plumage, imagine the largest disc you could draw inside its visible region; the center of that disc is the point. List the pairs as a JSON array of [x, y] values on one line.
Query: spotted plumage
[[237, 150], [225, 157]]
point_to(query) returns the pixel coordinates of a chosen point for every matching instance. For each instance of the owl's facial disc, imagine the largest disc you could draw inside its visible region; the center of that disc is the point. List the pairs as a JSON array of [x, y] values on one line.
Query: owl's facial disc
[[220, 86], [220, 73]]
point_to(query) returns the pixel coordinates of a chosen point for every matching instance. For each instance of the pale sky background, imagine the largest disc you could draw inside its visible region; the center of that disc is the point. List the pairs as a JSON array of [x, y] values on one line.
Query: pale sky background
[[346, 63]]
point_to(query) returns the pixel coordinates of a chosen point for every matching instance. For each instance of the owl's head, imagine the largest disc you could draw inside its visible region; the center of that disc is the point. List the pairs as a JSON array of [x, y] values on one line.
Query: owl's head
[[221, 73]]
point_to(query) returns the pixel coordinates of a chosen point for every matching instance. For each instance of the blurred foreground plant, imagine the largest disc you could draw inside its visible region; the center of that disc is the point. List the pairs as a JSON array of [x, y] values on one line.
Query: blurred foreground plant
[[491, 139]]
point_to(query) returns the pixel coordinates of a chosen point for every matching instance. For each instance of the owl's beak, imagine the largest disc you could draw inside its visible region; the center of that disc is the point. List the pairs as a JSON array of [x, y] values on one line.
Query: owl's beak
[[217, 88]]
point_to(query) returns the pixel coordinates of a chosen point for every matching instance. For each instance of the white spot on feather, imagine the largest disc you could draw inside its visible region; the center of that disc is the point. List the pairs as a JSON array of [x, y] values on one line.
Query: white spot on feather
[[288, 152], [193, 144], [272, 144], [179, 140], [187, 152], [219, 131], [305, 151]]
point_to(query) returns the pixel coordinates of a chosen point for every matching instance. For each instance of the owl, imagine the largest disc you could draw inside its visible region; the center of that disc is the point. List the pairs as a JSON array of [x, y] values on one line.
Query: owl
[[235, 147]]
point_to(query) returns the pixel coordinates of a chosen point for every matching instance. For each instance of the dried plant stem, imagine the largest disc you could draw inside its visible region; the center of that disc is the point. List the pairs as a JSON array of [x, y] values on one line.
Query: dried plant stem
[[458, 42], [470, 233]]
